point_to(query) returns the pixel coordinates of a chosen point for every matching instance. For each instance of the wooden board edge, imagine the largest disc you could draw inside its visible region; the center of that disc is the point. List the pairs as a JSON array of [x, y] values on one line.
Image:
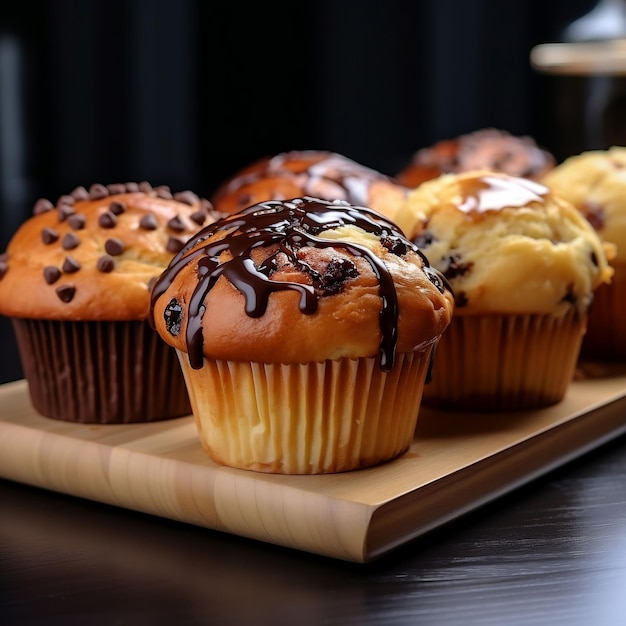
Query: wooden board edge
[[225, 500], [497, 475]]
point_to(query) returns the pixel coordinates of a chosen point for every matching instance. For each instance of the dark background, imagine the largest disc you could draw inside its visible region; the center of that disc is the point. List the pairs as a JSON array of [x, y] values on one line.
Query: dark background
[[184, 92]]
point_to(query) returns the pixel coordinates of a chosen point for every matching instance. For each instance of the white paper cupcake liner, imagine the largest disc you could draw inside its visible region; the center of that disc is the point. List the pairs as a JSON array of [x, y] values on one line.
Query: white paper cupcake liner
[[306, 419]]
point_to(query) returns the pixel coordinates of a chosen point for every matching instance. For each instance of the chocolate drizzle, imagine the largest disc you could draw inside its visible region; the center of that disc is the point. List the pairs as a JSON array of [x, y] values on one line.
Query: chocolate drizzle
[[288, 227], [322, 174]]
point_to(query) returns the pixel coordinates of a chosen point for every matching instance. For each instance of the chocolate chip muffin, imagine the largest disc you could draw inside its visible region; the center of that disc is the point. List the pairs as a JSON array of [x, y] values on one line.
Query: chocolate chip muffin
[[524, 265], [305, 330], [489, 148], [76, 280], [595, 183], [318, 173]]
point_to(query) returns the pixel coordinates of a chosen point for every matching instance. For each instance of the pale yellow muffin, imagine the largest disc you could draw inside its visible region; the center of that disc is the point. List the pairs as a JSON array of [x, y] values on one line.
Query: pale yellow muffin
[[305, 330], [523, 265], [595, 183]]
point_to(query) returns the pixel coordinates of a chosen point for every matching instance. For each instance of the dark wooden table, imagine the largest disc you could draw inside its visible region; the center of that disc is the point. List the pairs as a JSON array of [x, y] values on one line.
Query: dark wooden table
[[553, 552]]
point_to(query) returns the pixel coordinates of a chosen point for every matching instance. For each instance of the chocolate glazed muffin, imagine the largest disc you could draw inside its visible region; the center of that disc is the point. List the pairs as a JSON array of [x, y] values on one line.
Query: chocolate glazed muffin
[[305, 330], [318, 173], [76, 279]]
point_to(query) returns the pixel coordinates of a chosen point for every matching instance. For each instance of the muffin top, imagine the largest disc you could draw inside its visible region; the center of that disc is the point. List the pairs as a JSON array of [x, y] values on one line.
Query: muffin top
[[507, 244], [489, 148], [94, 255], [595, 183], [300, 281], [318, 173]]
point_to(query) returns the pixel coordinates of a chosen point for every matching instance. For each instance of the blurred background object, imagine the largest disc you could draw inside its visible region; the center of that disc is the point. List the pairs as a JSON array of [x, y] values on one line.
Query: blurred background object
[[186, 92], [589, 71]]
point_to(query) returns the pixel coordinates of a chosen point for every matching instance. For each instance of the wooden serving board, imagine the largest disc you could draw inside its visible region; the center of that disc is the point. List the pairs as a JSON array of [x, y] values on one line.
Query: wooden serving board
[[457, 462]]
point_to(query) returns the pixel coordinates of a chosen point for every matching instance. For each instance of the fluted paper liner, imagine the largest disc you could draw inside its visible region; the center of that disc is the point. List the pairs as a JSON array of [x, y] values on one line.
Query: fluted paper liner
[[100, 372], [606, 329], [306, 419], [503, 363]]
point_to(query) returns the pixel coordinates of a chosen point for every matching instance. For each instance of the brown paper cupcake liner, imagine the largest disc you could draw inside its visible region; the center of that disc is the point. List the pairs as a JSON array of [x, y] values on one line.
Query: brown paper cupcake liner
[[504, 363], [605, 338], [315, 418], [100, 372]]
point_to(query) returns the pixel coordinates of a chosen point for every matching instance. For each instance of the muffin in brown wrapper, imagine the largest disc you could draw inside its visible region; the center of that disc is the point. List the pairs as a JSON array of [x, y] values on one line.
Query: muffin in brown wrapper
[[595, 184], [605, 338], [524, 266], [532, 366], [100, 372], [76, 279]]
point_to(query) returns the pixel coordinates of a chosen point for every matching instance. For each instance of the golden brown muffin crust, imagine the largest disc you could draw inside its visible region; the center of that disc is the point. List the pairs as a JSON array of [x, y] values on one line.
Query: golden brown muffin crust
[[293, 291], [94, 255]]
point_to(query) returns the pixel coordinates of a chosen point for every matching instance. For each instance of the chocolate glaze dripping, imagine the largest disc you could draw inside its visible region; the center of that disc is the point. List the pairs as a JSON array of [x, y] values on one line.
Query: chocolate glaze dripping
[[289, 225]]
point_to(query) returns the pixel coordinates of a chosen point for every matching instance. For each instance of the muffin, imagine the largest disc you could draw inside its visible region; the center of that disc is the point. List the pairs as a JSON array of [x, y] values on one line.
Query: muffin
[[325, 175], [76, 279], [305, 330], [595, 183], [523, 265], [492, 149]]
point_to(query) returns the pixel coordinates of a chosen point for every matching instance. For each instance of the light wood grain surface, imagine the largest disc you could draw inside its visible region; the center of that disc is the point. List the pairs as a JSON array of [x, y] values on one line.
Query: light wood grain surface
[[457, 462]]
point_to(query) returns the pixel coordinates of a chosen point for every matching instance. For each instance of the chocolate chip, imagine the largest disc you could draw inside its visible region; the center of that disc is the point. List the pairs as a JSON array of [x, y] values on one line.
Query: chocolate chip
[[107, 220], [4, 268], [570, 295], [199, 217], [64, 211], [66, 199], [163, 191], [80, 193], [114, 247], [424, 240], [188, 197], [131, 187], [394, 245], [456, 267], [105, 264], [70, 241], [42, 206], [176, 224], [174, 245], [77, 221], [148, 222], [144, 186], [51, 274], [49, 235], [70, 265], [65, 292], [173, 316], [117, 208], [116, 188], [98, 191], [337, 272]]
